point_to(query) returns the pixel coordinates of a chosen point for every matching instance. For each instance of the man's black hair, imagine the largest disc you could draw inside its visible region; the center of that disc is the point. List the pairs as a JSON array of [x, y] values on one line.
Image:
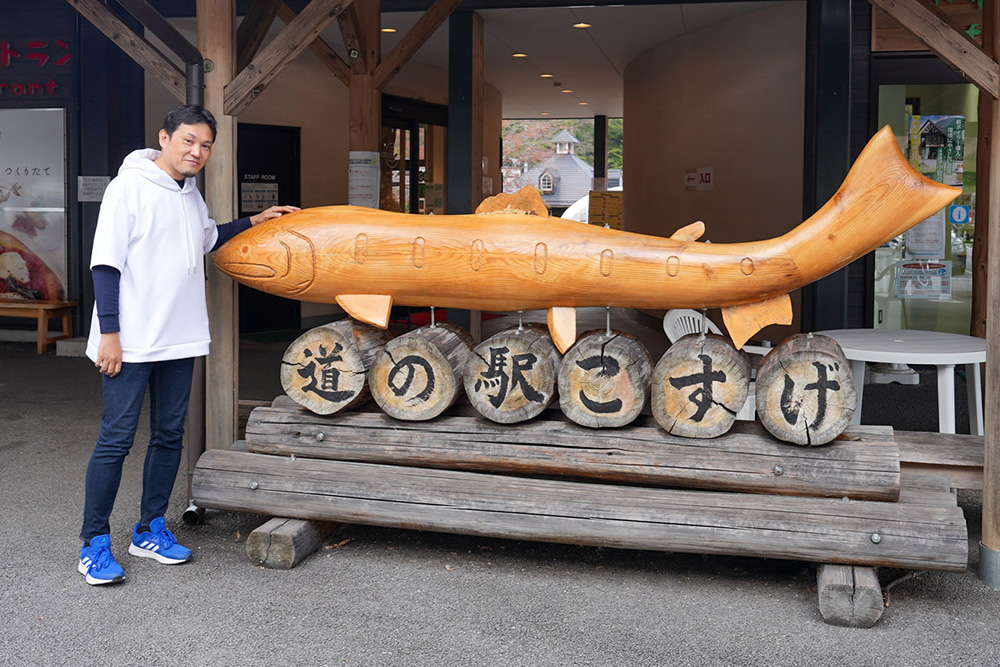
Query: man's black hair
[[189, 114]]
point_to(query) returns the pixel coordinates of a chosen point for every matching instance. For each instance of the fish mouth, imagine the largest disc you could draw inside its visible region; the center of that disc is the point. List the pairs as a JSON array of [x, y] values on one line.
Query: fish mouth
[[289, 259]]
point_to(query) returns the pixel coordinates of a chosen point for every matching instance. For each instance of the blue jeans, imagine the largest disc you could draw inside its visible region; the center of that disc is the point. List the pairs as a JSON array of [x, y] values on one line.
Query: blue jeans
[[169, 385]]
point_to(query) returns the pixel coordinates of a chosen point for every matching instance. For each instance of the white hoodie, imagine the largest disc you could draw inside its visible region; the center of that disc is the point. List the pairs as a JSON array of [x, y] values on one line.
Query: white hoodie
[[155, 233]]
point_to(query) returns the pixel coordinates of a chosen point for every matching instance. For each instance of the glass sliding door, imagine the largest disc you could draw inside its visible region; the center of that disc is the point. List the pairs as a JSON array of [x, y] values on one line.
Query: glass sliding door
[[923, 278]]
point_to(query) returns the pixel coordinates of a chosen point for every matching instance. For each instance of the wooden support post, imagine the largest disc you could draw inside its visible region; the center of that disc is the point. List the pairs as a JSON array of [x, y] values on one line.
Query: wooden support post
[[849, 596], [990, 548], [981, 238], [284, 543], [360, 28], [217, 42]]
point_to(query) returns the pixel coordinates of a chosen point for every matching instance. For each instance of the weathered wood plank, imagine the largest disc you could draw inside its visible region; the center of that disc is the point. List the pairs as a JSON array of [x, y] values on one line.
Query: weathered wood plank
[[849, 596], [284, 543], [957, 458], [746, 459], [821, 530]]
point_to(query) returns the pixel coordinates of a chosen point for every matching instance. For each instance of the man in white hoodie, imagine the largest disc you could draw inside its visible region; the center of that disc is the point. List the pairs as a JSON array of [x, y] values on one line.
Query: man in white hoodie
[[150, 322]]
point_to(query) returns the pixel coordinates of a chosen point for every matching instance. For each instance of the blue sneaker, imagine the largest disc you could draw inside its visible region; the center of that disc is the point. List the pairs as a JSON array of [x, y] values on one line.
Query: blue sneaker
[[158, 543], [97, 564]]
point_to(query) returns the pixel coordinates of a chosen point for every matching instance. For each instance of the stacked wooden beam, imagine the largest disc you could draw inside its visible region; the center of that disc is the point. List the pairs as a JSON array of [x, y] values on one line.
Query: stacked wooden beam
[[843, 503]]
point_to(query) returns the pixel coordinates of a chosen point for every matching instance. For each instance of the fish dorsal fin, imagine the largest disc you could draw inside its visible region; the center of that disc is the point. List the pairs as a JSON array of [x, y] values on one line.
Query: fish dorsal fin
[[527, 201], [371, 308], [746, 319], [562, 327], [690, 232]]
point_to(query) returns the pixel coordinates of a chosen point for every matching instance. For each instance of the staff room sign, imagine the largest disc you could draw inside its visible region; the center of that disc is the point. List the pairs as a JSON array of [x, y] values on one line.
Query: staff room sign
[[258, 192]]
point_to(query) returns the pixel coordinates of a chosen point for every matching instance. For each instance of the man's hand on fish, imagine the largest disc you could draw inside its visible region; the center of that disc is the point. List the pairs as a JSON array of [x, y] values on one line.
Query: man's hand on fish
[[271, 213]]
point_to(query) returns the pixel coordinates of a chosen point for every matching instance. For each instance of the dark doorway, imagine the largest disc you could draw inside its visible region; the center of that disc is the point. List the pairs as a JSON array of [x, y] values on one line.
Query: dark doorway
[[268, 173]]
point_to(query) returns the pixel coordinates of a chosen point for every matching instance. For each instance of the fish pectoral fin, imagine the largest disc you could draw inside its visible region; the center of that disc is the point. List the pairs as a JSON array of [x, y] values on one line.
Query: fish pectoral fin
[[746, 319], [371, 308], [562, 327], [690, 232]]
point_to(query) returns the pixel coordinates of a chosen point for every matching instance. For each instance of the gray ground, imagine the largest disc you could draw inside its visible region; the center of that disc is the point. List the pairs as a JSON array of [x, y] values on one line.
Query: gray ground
[[377, 596]]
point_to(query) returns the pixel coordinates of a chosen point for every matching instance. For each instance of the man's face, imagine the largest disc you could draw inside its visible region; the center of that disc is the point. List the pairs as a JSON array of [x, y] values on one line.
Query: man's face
[[185, 151]]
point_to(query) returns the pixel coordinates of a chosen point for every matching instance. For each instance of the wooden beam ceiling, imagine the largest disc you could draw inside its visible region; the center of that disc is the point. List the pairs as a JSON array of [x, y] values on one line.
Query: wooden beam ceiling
[[142, 52], [320, 49], [950, 43], [253, 28], [296, 36], [425, 26]]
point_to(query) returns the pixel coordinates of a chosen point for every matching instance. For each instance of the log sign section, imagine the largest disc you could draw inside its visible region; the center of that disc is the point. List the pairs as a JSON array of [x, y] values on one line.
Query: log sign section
[[419, 374], [805, 390], [699, 386], [324, 369], [604, 379], [511, 377]]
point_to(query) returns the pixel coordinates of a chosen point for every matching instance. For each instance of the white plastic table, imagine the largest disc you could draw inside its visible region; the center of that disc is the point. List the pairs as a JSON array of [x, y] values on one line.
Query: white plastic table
[[929, 348]]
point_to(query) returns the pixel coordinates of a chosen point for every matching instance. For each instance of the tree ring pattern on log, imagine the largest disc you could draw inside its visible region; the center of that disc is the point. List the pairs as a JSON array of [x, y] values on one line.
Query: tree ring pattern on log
[[699, 386], [325, 369], [805, 390], [511, 377], [418, 375], [604, 380]]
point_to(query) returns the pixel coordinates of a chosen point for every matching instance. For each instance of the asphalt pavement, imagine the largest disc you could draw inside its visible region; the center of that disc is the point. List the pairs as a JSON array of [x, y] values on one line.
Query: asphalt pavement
[[376, 596]]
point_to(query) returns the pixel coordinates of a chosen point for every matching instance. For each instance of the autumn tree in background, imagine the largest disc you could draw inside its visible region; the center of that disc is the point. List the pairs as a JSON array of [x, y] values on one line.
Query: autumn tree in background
[[526, 143]]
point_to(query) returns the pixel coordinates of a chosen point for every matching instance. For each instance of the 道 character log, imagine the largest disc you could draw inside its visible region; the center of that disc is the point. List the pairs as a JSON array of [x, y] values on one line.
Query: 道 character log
[[805, 390], [604, 381], [699, 386], [419, 374], [324, 369], [511, 377]]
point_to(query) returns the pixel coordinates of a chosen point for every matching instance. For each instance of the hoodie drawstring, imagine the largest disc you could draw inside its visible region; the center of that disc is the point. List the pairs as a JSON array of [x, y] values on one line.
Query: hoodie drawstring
[[189, 251]]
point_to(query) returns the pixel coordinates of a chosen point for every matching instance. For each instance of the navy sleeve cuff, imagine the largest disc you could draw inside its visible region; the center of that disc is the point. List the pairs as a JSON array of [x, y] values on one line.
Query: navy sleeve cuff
[[229, 230], [107, 282]]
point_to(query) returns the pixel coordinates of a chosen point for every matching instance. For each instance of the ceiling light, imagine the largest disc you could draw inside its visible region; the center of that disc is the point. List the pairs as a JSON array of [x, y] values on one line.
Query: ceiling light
[[583, 104], [545, 113], [581, 24], [567, 90], [388, 30], [520, 55], [546, 76]]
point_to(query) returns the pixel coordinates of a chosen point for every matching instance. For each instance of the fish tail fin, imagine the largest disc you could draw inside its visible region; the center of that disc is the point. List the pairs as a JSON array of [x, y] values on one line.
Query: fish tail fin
[[882, 197]]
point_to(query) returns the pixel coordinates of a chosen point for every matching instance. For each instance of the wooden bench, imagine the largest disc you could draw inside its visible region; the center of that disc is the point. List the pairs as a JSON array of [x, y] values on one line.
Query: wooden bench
[[43, 311]]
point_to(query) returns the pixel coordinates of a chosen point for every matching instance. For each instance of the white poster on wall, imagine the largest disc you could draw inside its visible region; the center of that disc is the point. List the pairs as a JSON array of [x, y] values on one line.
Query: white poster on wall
[[363, 179], [32, 204]]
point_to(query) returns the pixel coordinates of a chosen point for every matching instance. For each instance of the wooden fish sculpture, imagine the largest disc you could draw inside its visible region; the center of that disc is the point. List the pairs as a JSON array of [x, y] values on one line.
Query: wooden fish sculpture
[[366, 260]]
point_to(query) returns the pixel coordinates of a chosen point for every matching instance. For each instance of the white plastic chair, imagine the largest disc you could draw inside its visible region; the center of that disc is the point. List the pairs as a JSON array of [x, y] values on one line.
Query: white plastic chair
[[681, 322]]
